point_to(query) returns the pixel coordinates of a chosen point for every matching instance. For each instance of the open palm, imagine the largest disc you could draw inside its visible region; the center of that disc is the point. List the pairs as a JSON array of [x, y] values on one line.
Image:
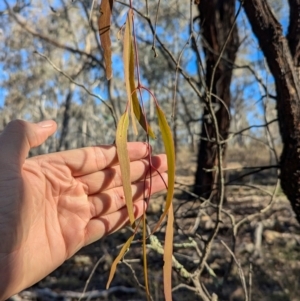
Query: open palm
[[53, 205]]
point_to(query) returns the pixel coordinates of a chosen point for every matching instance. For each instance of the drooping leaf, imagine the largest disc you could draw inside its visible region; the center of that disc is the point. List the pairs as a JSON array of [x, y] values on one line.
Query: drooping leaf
[[168, 210], [121, 143], [129, 67], [126, 57], [117, 260], [170, 152], [104, 22], [138, 112], [168, 254]]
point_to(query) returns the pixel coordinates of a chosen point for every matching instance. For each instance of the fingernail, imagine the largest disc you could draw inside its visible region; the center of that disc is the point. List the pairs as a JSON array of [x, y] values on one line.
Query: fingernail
[[45, 123]]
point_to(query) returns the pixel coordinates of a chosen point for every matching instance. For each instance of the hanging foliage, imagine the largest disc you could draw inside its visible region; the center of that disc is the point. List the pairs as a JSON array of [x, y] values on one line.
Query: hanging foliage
[[135, 110]]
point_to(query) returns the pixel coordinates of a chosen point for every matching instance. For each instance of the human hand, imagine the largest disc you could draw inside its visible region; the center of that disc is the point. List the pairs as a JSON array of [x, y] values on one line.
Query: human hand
[[52, 205]]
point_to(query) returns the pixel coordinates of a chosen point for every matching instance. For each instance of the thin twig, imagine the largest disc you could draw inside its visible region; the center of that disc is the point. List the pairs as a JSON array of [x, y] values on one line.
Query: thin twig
[[91, 12], [29, 29], [241, 273], [155, 25], [250, 282], [220, 173], [169, 56], [147, 8], [90, 277], [182, 285], [78, 84], [252, 216]]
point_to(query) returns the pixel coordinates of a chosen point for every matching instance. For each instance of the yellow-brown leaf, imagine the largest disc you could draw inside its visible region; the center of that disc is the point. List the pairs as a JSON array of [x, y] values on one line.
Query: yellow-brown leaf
[[129, 66], [121, 143], [168, 248], [168, 254], [117, 260], [104, 22], [138, 112], [126, 57], [170, 152]]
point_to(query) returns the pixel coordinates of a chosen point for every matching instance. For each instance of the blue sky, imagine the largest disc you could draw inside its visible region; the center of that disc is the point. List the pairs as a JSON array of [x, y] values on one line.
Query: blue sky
[[249, 92]]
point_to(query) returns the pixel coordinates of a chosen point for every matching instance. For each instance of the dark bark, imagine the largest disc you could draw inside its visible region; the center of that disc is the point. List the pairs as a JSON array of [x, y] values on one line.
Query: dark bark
[[216, 21], [278, 53], [63, 144], [293, 35]]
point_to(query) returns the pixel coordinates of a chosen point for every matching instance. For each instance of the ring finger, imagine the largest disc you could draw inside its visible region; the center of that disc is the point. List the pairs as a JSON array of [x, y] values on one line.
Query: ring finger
[[114, 199]]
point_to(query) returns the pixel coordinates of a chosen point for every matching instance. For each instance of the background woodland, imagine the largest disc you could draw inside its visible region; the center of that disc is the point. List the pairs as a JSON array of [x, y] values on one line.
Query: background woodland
[[226, 74]]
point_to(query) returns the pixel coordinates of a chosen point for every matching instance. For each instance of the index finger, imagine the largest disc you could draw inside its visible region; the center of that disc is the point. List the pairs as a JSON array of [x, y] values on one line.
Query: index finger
[[88, 160]]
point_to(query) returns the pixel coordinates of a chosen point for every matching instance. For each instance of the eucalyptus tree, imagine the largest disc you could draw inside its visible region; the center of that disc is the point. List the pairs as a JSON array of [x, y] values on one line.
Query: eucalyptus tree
[[282, 55]]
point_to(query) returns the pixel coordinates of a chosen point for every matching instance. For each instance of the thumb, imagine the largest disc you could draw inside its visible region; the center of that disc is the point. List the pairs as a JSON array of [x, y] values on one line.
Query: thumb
[[20, 136]]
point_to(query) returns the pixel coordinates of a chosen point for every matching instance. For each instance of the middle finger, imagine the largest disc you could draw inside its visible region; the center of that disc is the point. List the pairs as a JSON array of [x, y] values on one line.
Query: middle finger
[[111, 177]]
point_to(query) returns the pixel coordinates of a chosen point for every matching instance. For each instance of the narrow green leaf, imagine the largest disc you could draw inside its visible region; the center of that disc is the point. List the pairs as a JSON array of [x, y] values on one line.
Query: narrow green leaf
[[104, 32], [117, 260], [170, 152], [121, 143]]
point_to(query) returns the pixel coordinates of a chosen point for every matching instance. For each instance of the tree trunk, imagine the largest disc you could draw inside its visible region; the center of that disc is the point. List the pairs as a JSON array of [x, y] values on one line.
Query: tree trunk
[[283, 60], [216, 21]]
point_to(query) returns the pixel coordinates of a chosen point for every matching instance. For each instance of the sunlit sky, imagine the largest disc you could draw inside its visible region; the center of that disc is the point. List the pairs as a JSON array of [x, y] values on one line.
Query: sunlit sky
[[250, 92]]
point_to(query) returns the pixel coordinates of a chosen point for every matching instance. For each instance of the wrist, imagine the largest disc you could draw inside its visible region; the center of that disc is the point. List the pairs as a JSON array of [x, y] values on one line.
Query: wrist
[[11, 281]]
